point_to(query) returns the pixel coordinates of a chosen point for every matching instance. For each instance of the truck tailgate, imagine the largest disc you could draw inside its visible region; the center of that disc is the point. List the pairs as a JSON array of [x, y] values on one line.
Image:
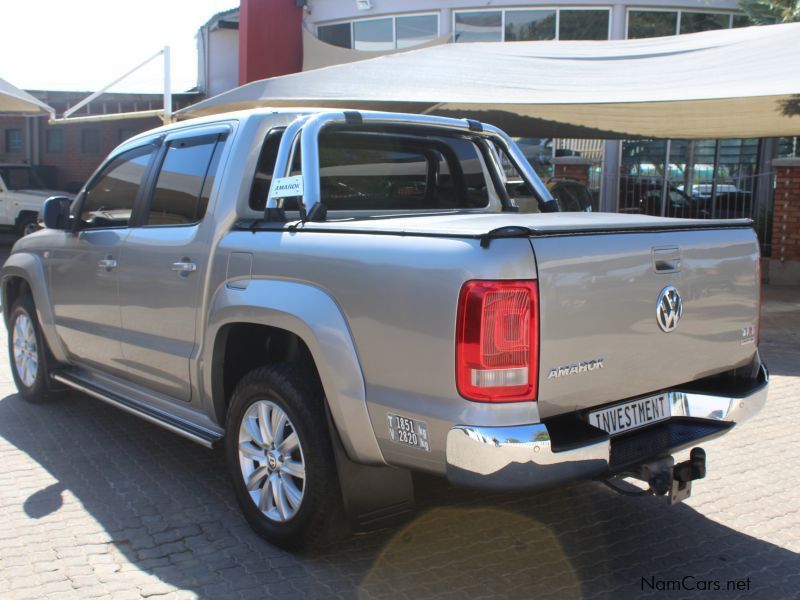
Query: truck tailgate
[[600, 340]]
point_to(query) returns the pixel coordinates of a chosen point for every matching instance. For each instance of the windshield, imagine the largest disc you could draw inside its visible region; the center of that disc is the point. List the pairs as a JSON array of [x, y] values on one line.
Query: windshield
[[21, 178]]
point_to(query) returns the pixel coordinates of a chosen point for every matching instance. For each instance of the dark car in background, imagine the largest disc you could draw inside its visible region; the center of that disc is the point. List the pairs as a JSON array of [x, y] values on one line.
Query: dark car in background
[[644, 195], [723, 200]]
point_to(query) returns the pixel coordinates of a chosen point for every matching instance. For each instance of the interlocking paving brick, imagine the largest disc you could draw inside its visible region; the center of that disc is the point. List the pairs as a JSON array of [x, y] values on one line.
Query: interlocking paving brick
[[96, 503]]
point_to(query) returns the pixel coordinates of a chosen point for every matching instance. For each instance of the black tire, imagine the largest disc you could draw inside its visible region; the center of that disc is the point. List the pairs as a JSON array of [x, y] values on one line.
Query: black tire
[[39, 388], [26, 224], [318, 518]]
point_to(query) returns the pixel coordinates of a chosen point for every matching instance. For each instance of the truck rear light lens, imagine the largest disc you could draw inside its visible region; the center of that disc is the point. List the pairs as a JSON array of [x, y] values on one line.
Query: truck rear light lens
[[497, 341]]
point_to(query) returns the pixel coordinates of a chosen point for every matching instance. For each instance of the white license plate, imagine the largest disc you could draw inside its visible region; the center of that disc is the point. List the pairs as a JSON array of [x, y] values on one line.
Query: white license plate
[[631, 415]]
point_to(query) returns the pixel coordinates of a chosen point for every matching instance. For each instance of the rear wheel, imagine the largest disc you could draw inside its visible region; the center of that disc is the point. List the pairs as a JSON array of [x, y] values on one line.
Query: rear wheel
[[280, 458], [28, 353]]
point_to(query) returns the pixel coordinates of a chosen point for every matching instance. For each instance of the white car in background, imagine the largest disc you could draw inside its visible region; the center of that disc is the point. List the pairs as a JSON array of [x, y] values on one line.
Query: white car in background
[[22, 195]]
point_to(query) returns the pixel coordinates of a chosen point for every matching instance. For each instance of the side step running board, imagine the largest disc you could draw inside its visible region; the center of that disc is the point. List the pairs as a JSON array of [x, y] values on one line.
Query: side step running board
[[182, 427]]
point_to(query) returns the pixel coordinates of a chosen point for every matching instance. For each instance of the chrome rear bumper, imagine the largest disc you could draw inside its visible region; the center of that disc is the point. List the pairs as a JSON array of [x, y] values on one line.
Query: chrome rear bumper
[[524, 457]]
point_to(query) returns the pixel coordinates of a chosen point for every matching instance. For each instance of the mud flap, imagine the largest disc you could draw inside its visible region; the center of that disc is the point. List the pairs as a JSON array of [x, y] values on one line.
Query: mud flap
[[373, 497]]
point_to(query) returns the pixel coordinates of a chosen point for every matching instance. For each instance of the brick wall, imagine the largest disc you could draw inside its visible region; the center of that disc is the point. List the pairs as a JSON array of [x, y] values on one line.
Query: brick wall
[[76, 162], [73, 161], [785, 261]]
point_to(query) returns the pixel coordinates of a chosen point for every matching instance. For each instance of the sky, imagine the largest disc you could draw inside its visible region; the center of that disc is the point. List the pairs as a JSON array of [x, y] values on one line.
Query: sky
[[82, 45]]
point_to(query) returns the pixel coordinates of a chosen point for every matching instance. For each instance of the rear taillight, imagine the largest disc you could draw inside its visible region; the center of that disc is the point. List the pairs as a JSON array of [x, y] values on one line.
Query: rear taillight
[[497, 341]]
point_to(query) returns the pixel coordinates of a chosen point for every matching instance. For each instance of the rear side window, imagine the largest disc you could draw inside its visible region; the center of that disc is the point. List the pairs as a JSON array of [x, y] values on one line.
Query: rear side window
[[380, 171], [184, 181], [110, 198]]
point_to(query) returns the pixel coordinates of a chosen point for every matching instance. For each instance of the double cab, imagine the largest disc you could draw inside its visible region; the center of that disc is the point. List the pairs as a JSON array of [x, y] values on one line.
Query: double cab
[[342, 298]]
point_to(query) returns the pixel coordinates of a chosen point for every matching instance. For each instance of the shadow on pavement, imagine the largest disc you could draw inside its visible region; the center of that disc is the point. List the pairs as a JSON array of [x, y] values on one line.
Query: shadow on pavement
[[166, 505]]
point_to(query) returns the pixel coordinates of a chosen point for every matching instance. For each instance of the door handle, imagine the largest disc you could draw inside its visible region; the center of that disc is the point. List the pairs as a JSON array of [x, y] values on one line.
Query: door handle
[[107, 263], [184, 267]]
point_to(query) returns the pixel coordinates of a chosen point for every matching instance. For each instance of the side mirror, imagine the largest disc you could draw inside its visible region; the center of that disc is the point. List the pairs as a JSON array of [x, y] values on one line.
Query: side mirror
[[55, 212]]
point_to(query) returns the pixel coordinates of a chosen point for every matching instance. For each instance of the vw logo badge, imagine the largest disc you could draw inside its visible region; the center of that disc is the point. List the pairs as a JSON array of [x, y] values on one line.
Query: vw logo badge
[[669, 309]]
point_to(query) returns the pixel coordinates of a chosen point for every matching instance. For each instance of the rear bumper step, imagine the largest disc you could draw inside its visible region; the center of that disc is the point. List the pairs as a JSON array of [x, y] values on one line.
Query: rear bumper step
[[567, 448]]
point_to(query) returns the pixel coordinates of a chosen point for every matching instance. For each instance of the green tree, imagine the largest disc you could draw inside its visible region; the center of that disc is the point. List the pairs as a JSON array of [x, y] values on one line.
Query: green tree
[[767, 12]]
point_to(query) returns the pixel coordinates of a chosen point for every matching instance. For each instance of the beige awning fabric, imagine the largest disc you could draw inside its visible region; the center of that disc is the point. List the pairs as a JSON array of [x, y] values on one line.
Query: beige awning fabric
[[16, 101], [318, 54], [718, 84]]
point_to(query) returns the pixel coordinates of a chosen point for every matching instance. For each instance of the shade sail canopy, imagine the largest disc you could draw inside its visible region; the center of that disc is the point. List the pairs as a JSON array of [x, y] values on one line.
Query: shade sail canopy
[[717, 84], [16, 101]]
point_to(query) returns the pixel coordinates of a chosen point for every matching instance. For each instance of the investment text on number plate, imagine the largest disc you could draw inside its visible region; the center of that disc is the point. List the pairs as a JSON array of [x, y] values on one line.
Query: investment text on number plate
[[409, 432], [631, 415]]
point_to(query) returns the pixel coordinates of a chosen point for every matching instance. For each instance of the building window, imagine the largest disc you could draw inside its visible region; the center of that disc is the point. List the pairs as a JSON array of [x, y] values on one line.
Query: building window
[[694, 22], [373, 35], [644, 23], [527, 25], [14, 142], [339, 34], [740, 21], [382, 34], [90, 141], [54, 141], [651, 23], [583, 24], [515, 25], [414, 30], [478, 26]]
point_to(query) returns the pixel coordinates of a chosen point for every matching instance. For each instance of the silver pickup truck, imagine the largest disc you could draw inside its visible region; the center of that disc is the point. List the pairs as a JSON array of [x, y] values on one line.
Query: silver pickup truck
[[342, 298]]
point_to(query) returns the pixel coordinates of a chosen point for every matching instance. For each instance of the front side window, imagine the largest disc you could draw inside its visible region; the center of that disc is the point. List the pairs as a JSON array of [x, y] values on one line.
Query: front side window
[[110, 198], [479, 26], [583, 25], [530, 25], [184, 181]]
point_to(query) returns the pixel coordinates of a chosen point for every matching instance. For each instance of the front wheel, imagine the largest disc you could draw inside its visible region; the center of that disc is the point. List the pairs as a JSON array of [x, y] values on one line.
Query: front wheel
[[279, 455], [27, 352]]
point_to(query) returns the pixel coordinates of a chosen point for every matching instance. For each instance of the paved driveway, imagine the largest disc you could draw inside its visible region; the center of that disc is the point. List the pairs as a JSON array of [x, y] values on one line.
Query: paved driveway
[[94, 502]]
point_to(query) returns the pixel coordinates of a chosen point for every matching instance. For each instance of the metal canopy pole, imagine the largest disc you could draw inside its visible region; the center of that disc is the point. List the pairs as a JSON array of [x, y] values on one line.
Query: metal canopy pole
[[167, 86], [166, 114], [665, 178], [714, 180]]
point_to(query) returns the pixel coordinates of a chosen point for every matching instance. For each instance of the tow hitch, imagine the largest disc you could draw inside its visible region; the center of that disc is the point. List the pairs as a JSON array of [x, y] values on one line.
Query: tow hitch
[[664, 477]]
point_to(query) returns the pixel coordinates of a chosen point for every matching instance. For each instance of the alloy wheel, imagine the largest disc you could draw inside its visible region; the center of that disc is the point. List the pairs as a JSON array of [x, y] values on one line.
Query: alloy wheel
[[26, 355], [271, 460]]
